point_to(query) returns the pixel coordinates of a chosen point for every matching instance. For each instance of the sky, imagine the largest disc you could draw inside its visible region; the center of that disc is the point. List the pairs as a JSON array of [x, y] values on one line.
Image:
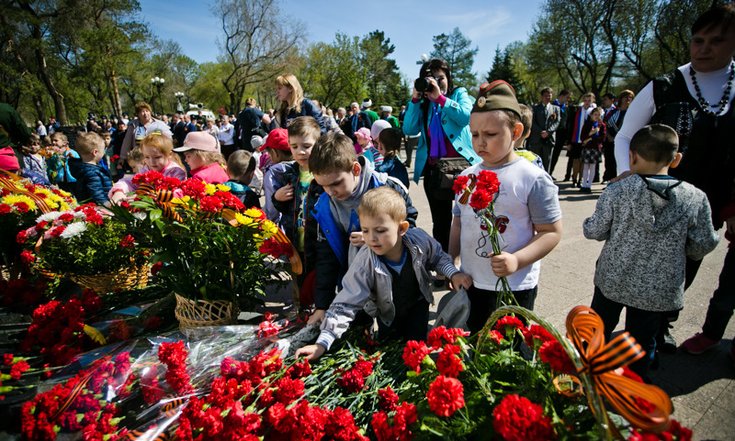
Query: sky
[[409, 24]]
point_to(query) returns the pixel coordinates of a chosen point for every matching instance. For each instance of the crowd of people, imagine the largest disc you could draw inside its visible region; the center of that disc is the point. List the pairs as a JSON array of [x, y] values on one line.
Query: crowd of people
[[335, 184]]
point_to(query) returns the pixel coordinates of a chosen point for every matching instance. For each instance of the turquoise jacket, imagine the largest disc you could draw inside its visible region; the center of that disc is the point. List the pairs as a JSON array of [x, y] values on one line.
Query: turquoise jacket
[[455, 122]]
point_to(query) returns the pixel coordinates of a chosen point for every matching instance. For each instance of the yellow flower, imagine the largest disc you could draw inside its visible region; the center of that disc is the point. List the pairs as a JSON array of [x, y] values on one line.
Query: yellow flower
[[210, 189], [15, 198], [269, 229], [254, 213], [222, 187], [184, 200], [244, 220]]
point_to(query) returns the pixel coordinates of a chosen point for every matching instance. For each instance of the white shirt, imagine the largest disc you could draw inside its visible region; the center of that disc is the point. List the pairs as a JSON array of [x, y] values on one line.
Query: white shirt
[[641, 110], [527, 196], [227, 134]]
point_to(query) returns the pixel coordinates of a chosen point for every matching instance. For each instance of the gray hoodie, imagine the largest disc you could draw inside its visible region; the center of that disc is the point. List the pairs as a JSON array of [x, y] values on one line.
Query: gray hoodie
[[367, 284], [649, 225]]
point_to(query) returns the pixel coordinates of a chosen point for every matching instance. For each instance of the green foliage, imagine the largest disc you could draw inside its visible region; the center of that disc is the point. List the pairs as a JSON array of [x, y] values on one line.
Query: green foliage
[[456, 50], [352, 68]]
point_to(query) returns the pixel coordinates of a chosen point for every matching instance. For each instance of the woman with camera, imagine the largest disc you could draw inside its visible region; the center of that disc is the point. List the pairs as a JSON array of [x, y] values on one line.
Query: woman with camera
[[440, 113]]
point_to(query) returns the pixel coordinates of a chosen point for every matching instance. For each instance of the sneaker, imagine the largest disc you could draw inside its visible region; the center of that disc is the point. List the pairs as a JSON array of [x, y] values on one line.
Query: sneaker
[[699, 344], [668, 343]]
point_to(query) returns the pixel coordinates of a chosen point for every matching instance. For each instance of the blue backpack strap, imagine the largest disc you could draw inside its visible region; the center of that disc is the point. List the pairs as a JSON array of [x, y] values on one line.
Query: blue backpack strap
[[337, 240]]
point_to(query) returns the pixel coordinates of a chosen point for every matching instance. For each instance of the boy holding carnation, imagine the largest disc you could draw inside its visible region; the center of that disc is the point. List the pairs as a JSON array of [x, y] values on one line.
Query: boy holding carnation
[[650, 223], [527, 212], [389, 277]]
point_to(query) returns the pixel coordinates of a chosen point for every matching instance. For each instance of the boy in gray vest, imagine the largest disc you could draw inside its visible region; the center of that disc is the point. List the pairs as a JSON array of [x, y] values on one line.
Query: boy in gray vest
[[650, 223]]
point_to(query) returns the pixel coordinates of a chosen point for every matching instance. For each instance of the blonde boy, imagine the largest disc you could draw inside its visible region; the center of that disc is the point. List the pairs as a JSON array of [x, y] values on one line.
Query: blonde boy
[[527, 208], [389, 277], [344, 178], [93, 181], [519, 145]]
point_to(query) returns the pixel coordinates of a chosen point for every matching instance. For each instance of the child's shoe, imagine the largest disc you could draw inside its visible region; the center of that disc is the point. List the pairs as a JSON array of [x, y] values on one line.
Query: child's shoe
[[699, 344]]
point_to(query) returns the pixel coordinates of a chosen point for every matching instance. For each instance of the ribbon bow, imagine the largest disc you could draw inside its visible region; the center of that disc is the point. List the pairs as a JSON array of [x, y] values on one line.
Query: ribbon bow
[[645, 406], [162, 198], [10, 181]]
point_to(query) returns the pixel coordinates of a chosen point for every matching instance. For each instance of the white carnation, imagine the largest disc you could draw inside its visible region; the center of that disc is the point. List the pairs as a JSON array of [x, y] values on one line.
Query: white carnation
[[74, 229], [48, 217]]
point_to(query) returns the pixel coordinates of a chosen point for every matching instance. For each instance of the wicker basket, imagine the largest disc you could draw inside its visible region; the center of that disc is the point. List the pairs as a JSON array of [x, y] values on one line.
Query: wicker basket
[[196, 313], [120, 280]]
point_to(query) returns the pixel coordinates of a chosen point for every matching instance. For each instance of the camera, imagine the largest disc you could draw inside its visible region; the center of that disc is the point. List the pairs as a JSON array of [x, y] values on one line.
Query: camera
[[422, 84]]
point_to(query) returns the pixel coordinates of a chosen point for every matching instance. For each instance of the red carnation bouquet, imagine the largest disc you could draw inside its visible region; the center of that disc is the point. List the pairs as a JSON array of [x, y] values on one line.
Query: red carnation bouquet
[[480, 191]]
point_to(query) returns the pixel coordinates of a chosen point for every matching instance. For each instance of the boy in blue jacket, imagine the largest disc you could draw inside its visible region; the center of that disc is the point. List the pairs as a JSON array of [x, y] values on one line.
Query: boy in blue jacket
[[344, 179], [93, 182]]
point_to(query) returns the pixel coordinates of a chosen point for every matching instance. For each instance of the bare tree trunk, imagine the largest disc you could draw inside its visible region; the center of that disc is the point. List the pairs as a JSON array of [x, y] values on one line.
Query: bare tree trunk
[[115, 93], [40, 111]]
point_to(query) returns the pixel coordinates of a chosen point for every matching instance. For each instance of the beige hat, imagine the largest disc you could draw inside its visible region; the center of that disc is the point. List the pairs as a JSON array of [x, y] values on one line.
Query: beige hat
[[202, 141]]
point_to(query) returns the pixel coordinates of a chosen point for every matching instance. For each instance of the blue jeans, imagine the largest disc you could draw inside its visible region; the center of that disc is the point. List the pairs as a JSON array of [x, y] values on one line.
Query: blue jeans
[[642, 325]]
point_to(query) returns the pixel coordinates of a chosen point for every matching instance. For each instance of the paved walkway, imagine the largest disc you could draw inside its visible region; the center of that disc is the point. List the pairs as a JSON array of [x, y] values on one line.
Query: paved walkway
[[701, 387]]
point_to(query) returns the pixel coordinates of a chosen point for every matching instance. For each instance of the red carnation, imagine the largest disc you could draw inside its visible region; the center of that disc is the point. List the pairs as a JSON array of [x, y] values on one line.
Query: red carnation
[[405, 416], [460, 183], [128, 241], [480, 199], [445, 396], [65, 217], [387, 399], [288, 390], [27, 257], [496, 337], [8, 359], [536, 335], [210, 204], [156, 267], [414, 353], [508, 324], [441, 335], [21, 237], [18, 368], [488, 181], [556, 357], [5, 209], [195, 188], [448, 363], [516, 418], [21, 207]]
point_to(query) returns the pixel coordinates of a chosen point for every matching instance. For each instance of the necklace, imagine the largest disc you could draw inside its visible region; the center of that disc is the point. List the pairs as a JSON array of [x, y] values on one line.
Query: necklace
[[706, 106]]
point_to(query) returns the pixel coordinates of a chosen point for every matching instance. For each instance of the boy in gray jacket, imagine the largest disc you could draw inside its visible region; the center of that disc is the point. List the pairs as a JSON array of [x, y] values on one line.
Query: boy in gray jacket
[[650, 223], [389, 277]]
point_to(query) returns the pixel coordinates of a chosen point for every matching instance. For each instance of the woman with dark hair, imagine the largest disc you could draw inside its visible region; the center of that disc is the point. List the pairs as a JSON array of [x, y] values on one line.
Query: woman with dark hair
[[440, 113], [293, 104]]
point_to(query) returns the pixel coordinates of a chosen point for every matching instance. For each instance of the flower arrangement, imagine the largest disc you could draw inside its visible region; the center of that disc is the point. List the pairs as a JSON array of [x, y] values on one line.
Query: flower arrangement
[[207, 245], [480, 192], [20, 203], [82, 241]]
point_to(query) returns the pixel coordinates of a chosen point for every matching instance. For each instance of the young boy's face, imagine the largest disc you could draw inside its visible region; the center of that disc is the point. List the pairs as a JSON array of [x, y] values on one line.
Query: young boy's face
[[383, 235], [301, 147], [379, 146], [339, 185], [34, 147], [492, 137]]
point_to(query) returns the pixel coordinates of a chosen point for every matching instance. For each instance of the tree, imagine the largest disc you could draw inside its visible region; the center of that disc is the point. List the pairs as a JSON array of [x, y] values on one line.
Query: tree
[[456, 50], [332, 73], [380, 72], [257, 40], [578, 38]]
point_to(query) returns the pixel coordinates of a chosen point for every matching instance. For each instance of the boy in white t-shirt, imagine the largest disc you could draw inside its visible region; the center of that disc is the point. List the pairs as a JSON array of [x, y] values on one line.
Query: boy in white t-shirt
[[527, 209]]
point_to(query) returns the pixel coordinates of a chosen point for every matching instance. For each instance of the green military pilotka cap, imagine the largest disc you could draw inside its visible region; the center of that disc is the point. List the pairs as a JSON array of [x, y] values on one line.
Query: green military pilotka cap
[[498, 95]]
